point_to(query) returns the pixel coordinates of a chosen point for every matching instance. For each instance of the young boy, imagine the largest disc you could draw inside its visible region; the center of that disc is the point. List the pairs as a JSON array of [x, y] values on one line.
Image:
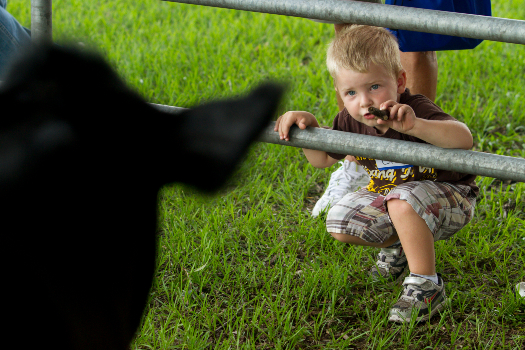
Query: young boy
[[422, 73], [405, 208]]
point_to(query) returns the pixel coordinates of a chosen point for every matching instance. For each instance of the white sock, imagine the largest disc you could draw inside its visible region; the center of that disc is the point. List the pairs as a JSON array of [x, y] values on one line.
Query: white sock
[[434, 278]]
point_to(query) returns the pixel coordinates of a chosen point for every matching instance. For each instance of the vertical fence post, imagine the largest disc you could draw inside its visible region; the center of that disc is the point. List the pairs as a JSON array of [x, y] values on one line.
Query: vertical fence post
[[41, 21]]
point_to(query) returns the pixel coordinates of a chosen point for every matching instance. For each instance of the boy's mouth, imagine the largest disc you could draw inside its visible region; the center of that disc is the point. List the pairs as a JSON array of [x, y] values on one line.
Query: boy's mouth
[[369, 116]]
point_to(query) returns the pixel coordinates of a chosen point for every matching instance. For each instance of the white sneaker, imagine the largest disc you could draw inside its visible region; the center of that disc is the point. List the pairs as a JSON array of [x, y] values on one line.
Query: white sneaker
[[520, 289], [348, 178]]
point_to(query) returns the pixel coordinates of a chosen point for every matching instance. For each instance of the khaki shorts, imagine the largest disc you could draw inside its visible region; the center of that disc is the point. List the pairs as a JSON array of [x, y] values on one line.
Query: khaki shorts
[[445, 208]]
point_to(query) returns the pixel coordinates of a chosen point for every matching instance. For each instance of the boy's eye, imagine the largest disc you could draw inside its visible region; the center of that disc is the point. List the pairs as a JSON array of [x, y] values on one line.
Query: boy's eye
[[351, 93], [375, 87]]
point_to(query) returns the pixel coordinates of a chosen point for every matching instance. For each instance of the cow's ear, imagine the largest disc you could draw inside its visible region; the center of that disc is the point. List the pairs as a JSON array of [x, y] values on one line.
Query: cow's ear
[[213, 137]]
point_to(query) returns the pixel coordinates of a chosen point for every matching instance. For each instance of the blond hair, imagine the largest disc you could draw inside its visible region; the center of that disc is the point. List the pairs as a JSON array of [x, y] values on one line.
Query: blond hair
[[355, 46]]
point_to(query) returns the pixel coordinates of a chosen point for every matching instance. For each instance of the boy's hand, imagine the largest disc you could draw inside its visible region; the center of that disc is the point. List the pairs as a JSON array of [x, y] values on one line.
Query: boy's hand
[[300, 118], [402, 117]]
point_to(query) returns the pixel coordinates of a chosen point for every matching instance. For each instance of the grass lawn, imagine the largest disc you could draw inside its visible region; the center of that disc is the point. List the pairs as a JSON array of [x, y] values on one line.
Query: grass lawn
[[250, 268]]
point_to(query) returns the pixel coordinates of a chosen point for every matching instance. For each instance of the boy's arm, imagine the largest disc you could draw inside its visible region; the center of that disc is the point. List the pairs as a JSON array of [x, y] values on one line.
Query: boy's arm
[[441, 133], [318, 159]]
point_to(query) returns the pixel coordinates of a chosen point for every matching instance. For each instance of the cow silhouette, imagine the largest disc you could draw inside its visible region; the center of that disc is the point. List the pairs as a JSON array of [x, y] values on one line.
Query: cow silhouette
[[82, 158]]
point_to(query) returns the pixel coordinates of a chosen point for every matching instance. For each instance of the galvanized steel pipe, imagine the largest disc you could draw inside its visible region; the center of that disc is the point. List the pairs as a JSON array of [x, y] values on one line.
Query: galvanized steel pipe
[[388, 16], [470, 162], [41, 21]]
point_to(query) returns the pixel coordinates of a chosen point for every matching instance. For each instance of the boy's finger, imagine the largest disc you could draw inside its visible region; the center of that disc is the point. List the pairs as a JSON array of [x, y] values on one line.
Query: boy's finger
[[394, 112], [387, 104], [283, 131], [399, 114], [276, 127], [402, 112], [284, 135], [301, 123]]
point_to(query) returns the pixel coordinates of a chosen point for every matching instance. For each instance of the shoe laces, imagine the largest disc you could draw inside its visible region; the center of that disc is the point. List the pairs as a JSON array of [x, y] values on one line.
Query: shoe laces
[[390, 254], [412, 291]]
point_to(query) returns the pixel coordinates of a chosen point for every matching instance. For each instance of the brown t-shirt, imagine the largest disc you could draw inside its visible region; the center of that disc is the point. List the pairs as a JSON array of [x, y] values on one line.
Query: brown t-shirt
[[385, 175]]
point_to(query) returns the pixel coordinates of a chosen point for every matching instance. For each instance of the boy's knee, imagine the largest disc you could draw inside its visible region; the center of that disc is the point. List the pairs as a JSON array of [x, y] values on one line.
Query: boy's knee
[[399, 207]]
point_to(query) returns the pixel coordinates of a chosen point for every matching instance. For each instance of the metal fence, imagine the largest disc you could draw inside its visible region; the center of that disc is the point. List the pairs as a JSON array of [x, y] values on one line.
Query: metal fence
[[430, 21], [41, 21], [389, 16]]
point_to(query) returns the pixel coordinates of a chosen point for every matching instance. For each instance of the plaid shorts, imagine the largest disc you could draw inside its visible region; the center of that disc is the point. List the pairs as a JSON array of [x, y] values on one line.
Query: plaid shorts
[[445, 208]]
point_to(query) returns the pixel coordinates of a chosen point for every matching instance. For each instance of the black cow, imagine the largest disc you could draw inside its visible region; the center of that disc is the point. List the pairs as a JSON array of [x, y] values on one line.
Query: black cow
[[82, 158]]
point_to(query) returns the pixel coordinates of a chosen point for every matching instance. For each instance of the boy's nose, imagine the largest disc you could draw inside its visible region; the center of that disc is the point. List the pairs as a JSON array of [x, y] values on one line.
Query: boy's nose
[[366, 101]]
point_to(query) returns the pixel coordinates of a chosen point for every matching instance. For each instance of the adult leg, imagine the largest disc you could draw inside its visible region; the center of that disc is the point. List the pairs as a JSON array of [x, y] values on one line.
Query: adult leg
[[12, 36], [422, 71]]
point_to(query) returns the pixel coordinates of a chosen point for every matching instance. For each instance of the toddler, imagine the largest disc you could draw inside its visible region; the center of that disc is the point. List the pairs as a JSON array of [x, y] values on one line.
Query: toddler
[[405, 208]]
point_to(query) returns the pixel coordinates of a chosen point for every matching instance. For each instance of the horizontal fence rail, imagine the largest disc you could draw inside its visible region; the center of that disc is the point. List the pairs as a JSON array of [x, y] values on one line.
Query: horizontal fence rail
[[470, 162], [388, 16], [430, 21]]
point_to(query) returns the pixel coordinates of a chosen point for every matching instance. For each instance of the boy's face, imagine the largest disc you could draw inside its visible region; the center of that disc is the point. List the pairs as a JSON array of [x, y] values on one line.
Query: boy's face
[[362, 90]]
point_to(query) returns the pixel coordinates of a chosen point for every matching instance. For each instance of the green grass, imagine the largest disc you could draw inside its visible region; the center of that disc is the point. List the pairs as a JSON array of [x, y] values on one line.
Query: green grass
[[250, 268]]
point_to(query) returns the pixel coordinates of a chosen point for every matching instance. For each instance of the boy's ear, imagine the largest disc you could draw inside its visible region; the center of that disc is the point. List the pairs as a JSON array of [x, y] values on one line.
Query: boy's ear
[[401, 81]]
